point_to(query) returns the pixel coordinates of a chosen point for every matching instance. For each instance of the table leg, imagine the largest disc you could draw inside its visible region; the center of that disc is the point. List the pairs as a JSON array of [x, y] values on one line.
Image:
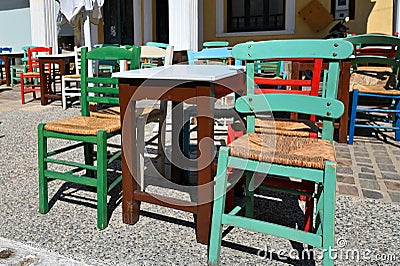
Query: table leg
[[176, 142], [344, 97], [130, 207], [43, 87], [7, 69], [205, 133]]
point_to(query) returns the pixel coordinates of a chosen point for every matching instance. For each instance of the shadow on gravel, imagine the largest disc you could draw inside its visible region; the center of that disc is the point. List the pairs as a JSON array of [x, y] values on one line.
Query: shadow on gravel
[[81, 195], [5, 89]]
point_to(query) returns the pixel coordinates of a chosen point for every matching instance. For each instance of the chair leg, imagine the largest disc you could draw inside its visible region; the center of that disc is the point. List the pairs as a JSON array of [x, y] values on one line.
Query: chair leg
[[22, 90], [140, 145], [397, 120], [249, 193], [328, 219], [88, 152], [161, 137], [353, 114], [214, 248], [43, 186], [63, 96], [102, 218]]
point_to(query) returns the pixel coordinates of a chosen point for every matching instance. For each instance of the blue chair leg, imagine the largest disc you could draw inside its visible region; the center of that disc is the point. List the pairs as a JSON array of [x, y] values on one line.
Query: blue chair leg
[[353, 114], [397, 120]]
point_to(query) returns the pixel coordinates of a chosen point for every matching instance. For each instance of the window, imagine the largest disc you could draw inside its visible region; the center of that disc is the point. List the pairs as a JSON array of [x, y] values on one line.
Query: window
[[255, 15]]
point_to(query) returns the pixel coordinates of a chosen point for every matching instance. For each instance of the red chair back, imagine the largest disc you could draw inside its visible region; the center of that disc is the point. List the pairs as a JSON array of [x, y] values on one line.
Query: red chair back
[[33, 60]]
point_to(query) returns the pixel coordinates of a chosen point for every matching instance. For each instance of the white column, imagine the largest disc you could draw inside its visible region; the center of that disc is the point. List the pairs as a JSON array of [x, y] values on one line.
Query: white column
[[396, 17], [183, 24], [43, 23], [137, 22], [147, 21]]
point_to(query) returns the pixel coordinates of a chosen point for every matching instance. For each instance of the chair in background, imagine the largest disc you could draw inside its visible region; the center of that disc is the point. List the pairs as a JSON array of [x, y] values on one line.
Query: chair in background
[[309, 159], [374, 84], [215, 44], [17, 69], [86, 131], [3, 50], [105, 67], [68, 91], [210, 56], [158, 44], [153, 56], [29, 79]]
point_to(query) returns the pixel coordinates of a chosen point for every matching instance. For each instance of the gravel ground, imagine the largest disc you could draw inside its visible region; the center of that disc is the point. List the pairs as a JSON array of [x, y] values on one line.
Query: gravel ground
[[162, 236]]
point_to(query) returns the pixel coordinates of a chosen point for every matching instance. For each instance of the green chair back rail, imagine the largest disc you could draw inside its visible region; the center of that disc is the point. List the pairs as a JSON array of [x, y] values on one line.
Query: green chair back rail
[[283, 156], [86, 131]]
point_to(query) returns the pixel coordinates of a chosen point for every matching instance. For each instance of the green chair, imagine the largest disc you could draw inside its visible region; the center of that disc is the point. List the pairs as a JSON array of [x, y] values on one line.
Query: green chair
[[87, 131], [285, 156], [374, 83]]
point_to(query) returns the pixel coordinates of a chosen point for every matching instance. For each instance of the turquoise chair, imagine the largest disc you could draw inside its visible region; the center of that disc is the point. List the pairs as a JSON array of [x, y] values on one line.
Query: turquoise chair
[[85, 131], [374, 83], [158, 44], [17, 69], [285, 156], [215, 44]]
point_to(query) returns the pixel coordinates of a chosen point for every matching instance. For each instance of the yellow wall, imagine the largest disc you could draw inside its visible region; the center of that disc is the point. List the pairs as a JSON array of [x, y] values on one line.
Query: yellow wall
[[371, 16]]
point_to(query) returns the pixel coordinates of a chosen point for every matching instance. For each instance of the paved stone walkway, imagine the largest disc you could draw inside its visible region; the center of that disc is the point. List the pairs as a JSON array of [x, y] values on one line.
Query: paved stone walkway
[[370, 168]]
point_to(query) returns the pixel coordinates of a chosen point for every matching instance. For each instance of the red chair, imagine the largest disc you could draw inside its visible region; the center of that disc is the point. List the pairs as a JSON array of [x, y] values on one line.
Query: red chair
[[269, 85], [33, 75]]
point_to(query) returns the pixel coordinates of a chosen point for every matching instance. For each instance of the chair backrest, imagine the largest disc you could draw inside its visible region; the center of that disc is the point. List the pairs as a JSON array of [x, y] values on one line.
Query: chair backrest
[[103, 90], [375, 45], [157, 44], [33, 60], [5, 50], [215, 44], [77, 57], [325, 106], [151, 53], [383, 50], [212, 55]]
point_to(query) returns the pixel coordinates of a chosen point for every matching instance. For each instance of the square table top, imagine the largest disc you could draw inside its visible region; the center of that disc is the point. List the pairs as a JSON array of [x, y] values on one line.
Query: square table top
[[207, 73]]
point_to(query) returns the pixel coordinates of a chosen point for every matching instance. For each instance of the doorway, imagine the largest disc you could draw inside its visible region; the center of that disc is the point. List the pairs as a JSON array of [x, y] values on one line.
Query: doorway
[[162, 24], [118, 21]]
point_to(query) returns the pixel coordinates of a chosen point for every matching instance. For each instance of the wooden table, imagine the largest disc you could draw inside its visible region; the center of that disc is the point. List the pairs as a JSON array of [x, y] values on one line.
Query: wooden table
[[6, 59], [176, 83], [63, 60]]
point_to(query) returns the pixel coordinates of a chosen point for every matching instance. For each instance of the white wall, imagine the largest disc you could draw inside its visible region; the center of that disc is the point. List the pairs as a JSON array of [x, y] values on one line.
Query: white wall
[[15, 28]]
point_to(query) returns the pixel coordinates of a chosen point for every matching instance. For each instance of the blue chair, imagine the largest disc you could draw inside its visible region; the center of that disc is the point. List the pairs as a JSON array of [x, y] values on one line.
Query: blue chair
[[283, 156], [17, 69], [3, 50], [374, 84]]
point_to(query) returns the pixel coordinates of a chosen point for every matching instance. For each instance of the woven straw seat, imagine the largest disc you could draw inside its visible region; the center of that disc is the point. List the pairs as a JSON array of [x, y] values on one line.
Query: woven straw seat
[[72, 76], [83, 125], [33, 74], [292, 151], [295, 128], [379, 80], [114, 112]]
